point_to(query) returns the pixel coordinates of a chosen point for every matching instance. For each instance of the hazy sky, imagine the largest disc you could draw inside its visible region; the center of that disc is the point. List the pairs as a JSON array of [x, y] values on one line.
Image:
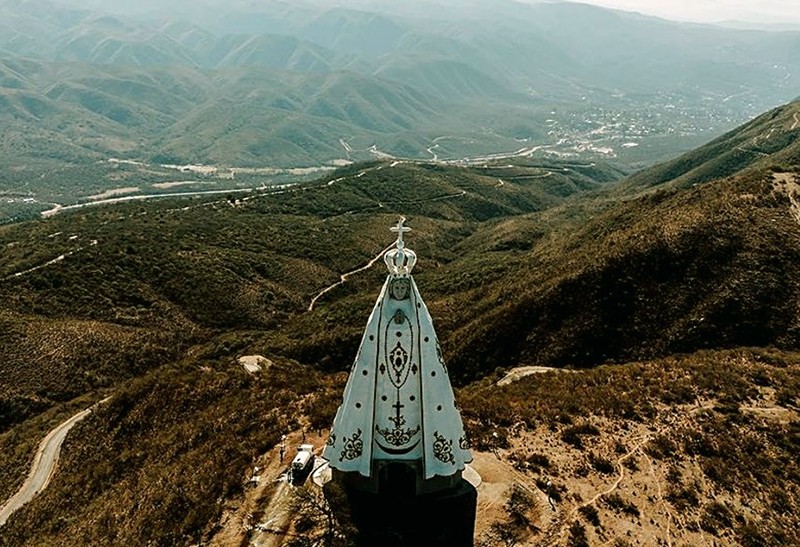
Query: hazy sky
[[757, 11]]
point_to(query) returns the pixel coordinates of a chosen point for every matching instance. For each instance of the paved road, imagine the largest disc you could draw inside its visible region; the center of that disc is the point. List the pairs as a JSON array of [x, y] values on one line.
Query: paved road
[[141, 197], [44, 465]]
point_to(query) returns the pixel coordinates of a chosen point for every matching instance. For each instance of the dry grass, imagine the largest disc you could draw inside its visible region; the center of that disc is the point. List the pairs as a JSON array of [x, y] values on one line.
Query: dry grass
[[711, 458]]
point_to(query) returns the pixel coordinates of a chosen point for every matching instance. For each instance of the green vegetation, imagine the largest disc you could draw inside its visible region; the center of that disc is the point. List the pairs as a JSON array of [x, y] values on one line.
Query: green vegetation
[[618, 503], [153, 464], [140, 282], [523, 512], [589, 512], [678, 305], [577, 535]]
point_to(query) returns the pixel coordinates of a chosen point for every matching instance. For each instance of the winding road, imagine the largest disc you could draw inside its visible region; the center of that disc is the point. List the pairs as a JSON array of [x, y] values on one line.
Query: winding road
[[44, 464], [56, 260], [141, 197]]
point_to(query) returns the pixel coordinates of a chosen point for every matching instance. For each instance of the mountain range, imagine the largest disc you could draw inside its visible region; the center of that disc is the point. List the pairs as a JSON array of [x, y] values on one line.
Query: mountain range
[[304, 84]]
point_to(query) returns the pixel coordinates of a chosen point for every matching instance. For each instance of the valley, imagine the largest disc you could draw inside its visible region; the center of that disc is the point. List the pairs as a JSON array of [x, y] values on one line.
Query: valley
[[620, 137]]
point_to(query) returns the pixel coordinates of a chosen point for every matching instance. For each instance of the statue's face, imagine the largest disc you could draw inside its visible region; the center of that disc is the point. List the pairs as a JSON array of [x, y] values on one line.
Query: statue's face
[[400, 288]]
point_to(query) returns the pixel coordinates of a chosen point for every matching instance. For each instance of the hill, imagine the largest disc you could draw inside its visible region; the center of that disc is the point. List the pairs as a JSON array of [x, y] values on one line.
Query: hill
[[770, 141], [99, 298], [170, 272], [678, 306]]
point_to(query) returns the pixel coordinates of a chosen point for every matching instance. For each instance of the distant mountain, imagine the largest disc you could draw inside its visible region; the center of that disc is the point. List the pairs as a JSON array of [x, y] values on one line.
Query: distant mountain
[[446, 80], [295, 120], [368, 35], [306, 84], [275, 51]]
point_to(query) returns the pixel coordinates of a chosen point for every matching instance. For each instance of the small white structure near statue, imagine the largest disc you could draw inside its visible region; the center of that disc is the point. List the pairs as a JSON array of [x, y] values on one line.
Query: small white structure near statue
[[302, 463]]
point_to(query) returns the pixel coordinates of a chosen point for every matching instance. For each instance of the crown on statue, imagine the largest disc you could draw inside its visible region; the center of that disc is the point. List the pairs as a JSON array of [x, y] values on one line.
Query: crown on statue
[[400, 260]]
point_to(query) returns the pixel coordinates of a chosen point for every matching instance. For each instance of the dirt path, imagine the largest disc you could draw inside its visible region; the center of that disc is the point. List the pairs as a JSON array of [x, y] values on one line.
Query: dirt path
[[56, 260], [620, 476], [751, 151], [141, 197], [796, 121], [263, 517], [556, 531], [44, 464], [344, 277]]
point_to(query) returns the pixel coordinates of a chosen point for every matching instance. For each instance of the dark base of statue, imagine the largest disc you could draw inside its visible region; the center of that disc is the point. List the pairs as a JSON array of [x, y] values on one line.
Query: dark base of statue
[[443, 519]]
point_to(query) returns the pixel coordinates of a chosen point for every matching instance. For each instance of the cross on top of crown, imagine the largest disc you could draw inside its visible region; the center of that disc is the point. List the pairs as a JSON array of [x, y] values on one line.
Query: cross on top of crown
[[400, 260], [400, 229]]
